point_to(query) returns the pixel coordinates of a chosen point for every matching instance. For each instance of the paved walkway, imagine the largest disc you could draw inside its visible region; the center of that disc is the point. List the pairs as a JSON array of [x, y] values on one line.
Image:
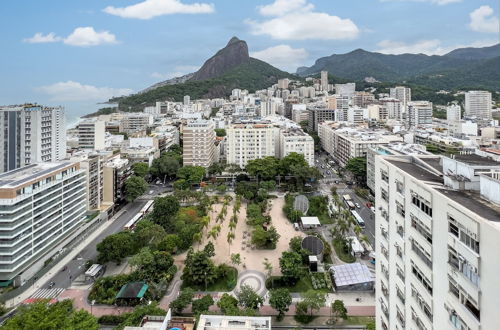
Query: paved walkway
[[256, 280]]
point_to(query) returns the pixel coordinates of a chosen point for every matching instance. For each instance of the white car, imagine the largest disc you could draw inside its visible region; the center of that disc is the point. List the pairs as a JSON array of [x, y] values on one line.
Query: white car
[[373, 209], [357, 205]]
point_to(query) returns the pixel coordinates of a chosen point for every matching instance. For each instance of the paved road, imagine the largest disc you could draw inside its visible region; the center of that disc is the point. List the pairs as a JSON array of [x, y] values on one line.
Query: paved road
[[76, 266], [329, 179]]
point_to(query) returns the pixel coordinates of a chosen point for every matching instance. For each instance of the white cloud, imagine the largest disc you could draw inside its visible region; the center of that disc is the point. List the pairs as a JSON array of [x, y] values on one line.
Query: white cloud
[[437, 2], [74, 91], [40, 38], [152, 8], [300, 22], [282, 56], [428, 47], [281, 7], [87, 36], [81, 37], [483, 20]]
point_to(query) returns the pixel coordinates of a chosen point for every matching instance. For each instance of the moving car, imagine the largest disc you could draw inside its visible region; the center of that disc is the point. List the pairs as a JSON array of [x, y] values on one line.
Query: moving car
[[51, 284], [357, 205]]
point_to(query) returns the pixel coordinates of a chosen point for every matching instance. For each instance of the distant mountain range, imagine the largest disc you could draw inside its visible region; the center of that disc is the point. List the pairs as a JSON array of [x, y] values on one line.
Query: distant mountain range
[[461, 68], [230, 68]]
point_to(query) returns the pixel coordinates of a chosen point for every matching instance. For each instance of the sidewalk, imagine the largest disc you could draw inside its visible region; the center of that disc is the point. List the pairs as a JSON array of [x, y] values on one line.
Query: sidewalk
[[72, 254]]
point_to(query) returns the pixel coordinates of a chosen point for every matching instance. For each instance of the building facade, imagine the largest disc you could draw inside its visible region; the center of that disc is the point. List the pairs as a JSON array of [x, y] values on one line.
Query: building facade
[[437, 232], [419, 113], [40, 205], [249, 141], [295, 140], [199, 143], [478, 104], [92, 134], [31, 134]]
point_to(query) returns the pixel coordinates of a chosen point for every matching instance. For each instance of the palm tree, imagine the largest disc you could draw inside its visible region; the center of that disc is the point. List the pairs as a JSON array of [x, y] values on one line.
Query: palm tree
[[357, 230], [213, 233], [232, 225]]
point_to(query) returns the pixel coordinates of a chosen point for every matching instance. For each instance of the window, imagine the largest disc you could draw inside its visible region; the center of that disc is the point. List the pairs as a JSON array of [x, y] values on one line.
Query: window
[[453, 229], [469, 241], [422, 205], [454, 289], [421, 277]]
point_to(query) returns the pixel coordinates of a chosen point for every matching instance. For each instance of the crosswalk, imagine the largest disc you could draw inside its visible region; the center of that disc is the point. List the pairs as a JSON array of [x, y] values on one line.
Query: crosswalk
[[47, 293]]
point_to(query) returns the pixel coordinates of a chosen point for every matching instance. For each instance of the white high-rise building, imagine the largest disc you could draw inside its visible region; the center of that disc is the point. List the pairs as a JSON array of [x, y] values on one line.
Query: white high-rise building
[[453, 113], [401, 93], [324, 81], [478, 104], [437, 228], [283, 83], [419, 113], [31, 134], [394, 107], [345, 89], [249, 141], [187, 100], [295, 140], [41, 205], [91, 134], [198, 143]]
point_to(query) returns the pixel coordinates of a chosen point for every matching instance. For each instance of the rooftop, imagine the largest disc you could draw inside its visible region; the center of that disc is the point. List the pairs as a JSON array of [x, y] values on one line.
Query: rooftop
[[473, 202], [23, 175], [133, 290], [476, 160], [416, 171], [350, 274]]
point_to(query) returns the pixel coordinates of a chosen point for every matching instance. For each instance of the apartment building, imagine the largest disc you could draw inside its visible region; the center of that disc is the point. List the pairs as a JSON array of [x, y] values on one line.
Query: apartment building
[[318, 115], [295, 140], [389, 150], [324, 81], [92, 134], [92, 164], [453, 113], [419, 113], [299, 113], [199, 143], [346, 142], [31, 134], [394, 108], [40, 205], [345, 89], [135, 122], [250, 140], [401, 93], [363, 99], [115, 172], [437, 232], [478, 104]]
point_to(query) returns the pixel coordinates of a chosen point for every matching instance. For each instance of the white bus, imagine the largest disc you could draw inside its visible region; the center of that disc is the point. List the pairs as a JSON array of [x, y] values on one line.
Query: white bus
[[147, 207], [359, 220], [131, 224]]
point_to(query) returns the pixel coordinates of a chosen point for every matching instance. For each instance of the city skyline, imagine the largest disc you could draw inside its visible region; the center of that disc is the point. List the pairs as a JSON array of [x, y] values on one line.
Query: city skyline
[[75, 56]]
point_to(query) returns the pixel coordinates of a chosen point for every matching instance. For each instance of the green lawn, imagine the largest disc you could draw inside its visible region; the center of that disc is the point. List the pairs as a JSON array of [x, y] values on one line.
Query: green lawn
[[345, 257], [324, 219], [303, 285], [223, 284]]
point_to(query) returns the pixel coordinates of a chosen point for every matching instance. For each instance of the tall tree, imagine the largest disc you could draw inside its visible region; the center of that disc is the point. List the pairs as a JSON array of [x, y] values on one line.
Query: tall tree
[[314, 300], [291, 266], [263, 168], [140, 169], [248, 298], [165, 208], [192, 174], [199, 269], [357, 166], [116, 247], [134, 187], [202, 305], [280, 300], [59, 315], [182, 301], [339, 309]]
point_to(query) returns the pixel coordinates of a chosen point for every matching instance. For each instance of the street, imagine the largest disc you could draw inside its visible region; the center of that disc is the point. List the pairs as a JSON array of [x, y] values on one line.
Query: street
[[329, 178], [76, 267]]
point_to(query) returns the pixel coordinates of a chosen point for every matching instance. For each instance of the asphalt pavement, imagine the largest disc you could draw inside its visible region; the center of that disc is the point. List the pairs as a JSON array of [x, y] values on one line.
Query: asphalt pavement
[[329, 179]]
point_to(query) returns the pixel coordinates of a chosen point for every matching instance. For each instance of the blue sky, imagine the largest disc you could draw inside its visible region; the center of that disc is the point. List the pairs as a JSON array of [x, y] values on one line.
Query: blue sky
[[80, 52]]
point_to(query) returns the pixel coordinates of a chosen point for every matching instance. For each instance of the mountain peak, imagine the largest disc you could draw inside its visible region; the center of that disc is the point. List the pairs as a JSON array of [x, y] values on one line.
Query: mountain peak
[[233, 41], [229, 57]]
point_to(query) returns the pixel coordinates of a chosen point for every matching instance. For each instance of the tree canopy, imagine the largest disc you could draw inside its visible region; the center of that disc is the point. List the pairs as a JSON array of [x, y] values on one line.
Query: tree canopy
[[291, 265], [280, 299], [357, 166], [116, 247], [134, 187], [57, 316], [248, 298], [140, 169]]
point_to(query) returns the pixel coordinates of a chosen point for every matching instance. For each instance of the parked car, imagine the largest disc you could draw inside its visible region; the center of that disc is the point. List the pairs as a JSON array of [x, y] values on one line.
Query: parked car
[[357, 205], [64, 268], [373, 209]]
